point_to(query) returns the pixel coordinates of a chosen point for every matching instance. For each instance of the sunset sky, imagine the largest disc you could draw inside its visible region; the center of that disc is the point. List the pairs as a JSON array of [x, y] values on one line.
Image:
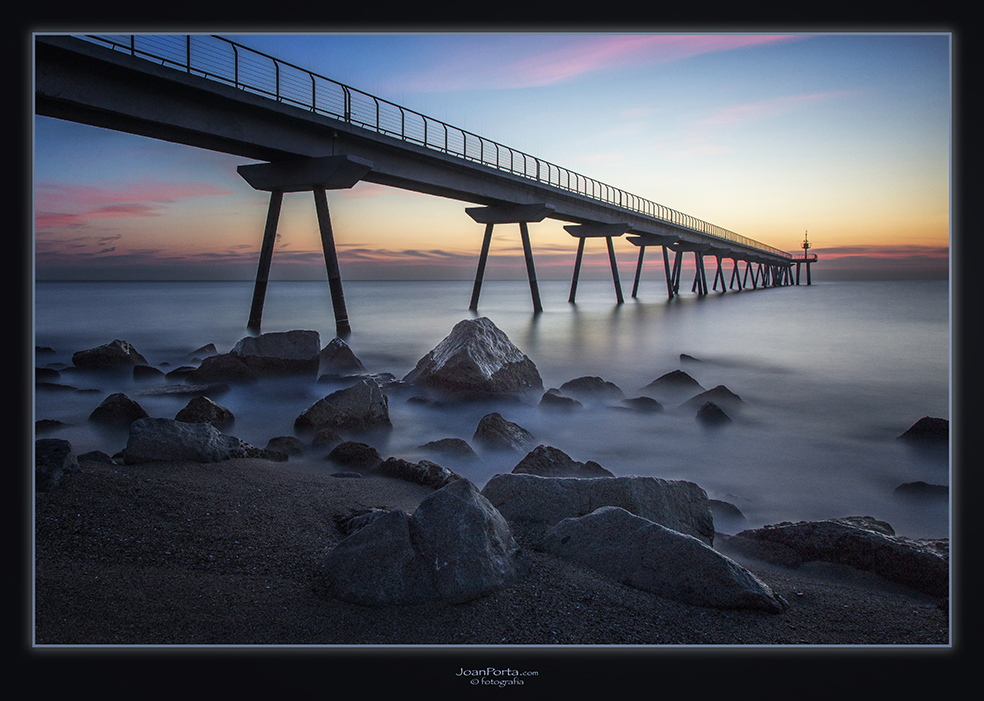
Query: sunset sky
[[843, 135]]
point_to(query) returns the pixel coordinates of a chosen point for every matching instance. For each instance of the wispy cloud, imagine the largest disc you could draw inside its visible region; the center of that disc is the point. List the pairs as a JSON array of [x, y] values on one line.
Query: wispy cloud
[[572, 56], [733, 114]]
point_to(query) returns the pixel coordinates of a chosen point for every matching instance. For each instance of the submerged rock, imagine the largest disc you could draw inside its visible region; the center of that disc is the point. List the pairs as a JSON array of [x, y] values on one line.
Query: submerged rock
[[117, 410], [922, 490], [720, 396], [710, 414], [591, 388], [355, 455], [117, 354], [496, 433], [645, 555], [928, 430], [476, 359], [282, 353], [202, 410], [673, 385], [361, 407], [553, 399], [338, 360], [546, 461], [425, 472], [225, 367]]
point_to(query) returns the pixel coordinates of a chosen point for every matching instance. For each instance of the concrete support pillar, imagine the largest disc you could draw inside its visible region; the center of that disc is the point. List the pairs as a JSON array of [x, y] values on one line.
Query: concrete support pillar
[[342, 327], [669, 275], [530, 269], [577, 270], [266, 257], [611, 258], [638, 272], [480, 273]]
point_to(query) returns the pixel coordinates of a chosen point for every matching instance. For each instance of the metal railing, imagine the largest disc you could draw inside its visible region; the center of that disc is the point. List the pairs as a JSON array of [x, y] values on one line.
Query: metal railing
[[216, 58]]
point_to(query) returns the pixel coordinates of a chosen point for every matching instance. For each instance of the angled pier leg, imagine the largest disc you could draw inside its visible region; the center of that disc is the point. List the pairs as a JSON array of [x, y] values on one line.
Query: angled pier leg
[[638, 272], [342, 327], [577, 270], [480, 273], [611, 257], [677, 265], [266, 256], [530, 270], [669, 275], [719, 275]]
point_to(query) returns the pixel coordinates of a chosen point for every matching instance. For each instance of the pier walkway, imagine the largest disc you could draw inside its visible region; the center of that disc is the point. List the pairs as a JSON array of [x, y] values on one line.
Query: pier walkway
[[316, 134]]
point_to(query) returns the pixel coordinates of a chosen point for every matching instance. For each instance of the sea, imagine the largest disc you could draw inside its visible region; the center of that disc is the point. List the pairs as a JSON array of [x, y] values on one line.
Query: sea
[[829, 374]]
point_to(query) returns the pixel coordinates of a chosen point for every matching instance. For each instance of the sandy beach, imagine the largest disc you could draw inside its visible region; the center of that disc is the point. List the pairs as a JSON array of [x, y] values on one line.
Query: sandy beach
[[229, 553]]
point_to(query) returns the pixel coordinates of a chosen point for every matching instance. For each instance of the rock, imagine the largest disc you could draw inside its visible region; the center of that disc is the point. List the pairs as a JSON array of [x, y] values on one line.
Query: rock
[[645, 555], [922, 490], [117, 410], [180, 373], [531, 501], [546, 461], [476, 359], [591, 388], [337, 359], [455, 548], [225, 367], [361, 407], [425, 472], [728, 518], [289, 445], [645, 405], [326, 438], [355, 455], [496, 433], [672, 385], [859, 542], [928, 430], [53, 457], [46, 375], [96, 456], [281, 353], [720, 396], [684, 358], [453, 448], [710, 414], [199, 353], [48, 425], [184, 390], [168, 440], [146, 372], [118, 354], [202, 410], [553, 399]]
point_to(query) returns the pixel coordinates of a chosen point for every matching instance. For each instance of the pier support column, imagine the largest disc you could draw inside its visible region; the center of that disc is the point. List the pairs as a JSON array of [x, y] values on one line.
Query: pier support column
[[342, 327], [735, 276], [301, 175], [677, 267], [266, 256], [638, 272], [508, 213], [669, 275], [599, 230], [480, 273]]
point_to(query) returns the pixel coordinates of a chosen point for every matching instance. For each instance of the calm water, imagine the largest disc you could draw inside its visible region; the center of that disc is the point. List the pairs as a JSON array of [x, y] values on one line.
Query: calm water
[[830, 375]]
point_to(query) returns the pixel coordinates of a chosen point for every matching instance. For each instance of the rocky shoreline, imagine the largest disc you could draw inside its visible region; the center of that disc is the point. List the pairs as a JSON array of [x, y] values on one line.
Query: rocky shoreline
[[191, 536]]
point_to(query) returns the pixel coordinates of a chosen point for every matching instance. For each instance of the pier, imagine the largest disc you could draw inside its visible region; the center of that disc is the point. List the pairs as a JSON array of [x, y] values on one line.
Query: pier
[[315, 134]]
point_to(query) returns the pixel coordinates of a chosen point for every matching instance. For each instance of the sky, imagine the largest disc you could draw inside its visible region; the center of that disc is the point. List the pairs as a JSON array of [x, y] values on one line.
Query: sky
[[844, 137]]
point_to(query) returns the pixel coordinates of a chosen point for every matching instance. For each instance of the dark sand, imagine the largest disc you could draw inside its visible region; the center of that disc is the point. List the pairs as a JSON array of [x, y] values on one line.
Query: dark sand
[[228, 554]]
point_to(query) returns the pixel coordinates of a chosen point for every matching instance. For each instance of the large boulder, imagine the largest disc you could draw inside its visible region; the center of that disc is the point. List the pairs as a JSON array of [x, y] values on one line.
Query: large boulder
[[533, 502], [497, 433], [117, 410], [645, 555], [117, 354], [455, 547], [859, 542], [168, 440], [476, 359], [547, 461], [281, 353], [53, 457], [361, 407]]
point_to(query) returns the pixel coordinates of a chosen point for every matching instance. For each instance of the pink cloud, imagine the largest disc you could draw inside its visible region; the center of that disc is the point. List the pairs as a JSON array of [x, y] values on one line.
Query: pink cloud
[[578, 55], [766, 108]]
